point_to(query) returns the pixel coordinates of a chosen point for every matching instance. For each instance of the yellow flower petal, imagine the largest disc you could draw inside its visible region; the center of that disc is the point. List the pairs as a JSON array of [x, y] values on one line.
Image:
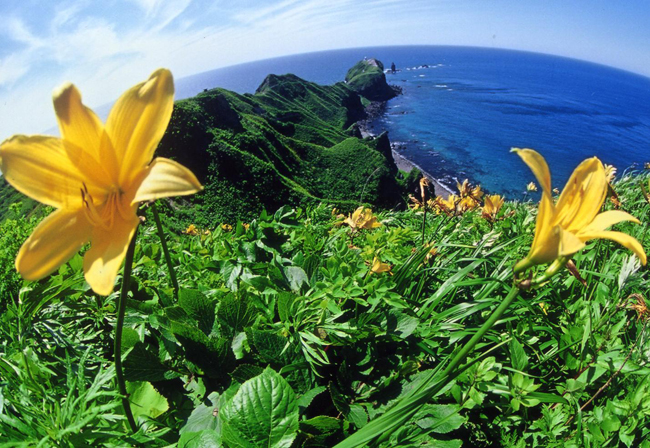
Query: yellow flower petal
[[569, 243], [39, 167], [379, 267], [165, 178], [621, 238], [138, 121], [608, 219], [82, 134], [546, 243], [57, 238], [107, 251], [77, 123], [582, 196], [538, 166]]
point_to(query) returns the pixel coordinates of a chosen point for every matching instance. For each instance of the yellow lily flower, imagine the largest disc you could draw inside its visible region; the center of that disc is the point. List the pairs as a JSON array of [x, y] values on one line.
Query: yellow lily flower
[[448, 205], [378, 267], [362, 218], [424, 182], [531, 186], [562, 229], [191, 230], [491, 206], [469, 195], [95, 175], [464, 189]]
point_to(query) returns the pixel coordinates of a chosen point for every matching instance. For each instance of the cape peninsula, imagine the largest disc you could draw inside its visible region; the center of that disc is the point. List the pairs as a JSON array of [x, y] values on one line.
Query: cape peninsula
[[292, 143]]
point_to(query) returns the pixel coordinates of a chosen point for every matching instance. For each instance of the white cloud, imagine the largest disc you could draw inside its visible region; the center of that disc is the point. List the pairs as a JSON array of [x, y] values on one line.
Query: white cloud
[[105, 47], [17, 30], [12, 68]]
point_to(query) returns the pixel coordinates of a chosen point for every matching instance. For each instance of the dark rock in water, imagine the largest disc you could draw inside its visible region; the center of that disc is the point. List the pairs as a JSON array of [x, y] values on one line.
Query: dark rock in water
[[367, 78]]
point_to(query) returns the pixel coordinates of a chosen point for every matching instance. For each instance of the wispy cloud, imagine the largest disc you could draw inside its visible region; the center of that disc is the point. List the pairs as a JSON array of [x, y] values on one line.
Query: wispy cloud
[[12, 68], [104, 47]]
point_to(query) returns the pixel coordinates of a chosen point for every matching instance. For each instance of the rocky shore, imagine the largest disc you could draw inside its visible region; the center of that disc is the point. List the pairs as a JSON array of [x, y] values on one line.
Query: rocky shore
[[373, 111]]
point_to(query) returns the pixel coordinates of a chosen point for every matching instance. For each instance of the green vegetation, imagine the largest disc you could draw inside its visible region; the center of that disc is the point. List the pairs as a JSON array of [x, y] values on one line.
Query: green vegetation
[[368, 79], [295, 325], [292, 143], [282, 336]]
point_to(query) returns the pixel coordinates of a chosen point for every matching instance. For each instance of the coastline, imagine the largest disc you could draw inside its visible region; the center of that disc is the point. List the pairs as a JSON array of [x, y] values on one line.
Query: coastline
[[374, 111]]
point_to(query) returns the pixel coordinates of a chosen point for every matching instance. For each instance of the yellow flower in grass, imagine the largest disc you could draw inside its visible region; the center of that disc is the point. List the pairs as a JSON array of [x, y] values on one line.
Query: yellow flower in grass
[[469, 195], [563, 228], [491, 206], [531, 187], [448, 205], [362, 218], [94, 175], [191, 230], [378, 267]]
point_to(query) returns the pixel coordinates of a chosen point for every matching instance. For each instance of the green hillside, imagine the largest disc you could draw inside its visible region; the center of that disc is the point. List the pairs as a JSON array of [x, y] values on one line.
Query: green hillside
[[293, 142]]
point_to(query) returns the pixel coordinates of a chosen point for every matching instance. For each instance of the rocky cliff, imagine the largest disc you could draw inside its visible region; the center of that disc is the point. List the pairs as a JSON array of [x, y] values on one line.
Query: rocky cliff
[[367, 78]]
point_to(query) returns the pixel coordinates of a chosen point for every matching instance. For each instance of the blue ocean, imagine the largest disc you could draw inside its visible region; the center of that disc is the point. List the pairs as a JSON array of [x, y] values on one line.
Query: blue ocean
[[463, 108]]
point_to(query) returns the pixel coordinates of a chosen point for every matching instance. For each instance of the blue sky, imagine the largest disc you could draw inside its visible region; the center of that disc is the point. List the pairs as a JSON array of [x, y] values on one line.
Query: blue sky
[[106, 46]]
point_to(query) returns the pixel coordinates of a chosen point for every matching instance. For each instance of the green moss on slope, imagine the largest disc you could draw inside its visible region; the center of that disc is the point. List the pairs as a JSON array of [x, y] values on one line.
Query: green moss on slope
[[289, 143]]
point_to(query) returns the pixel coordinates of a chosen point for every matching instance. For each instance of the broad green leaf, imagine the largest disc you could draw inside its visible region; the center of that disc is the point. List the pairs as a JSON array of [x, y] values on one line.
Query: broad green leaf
[[305, 399], [263, 413], [340, 402], [285, 306], [234, 314], [199, 307], [358, 415], [296, 277], [440, 418], [322, 431], [270, 346], [204, 416], [518, 356], [211, 354], [208, 438], [142, 365], [245, 372], [129, 338], [401, 324], [231, 271], [145, 400]]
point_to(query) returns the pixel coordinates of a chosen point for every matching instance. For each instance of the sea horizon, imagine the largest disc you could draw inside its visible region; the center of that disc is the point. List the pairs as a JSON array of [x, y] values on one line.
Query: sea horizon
[[464, 112], [460, 116]]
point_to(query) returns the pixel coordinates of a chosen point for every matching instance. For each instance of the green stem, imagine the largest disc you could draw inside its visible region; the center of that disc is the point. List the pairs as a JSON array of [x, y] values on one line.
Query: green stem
[[409, 405], [496, 314], [117, 344], [424, 220], [163, 242]]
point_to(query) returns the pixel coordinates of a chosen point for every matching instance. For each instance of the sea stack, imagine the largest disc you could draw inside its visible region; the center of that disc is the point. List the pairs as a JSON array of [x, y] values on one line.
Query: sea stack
[[367, 78]]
